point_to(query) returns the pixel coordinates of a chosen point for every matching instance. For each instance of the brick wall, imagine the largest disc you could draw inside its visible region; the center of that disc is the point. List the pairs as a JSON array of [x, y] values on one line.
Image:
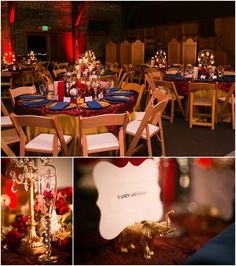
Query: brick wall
[[58, 15]]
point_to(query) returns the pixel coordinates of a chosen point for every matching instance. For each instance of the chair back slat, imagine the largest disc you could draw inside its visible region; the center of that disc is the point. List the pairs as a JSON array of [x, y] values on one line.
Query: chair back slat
[[21, 91], [134, 87], [103, 120]]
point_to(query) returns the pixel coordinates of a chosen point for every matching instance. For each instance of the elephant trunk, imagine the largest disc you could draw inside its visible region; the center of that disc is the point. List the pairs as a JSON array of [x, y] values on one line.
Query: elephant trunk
[[168, 218]]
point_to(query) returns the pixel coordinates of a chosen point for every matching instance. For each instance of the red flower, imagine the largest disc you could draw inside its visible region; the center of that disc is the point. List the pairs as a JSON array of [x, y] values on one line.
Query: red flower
[[67, 193], [48, 195], [37, 207], [13, 239], [64, 209], [20, 224]]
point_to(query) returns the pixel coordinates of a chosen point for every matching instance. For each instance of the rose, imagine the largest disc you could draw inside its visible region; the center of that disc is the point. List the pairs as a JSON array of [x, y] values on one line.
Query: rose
[[13, 239], [67, 193], [48, 195], [20, 224], [63, 209]]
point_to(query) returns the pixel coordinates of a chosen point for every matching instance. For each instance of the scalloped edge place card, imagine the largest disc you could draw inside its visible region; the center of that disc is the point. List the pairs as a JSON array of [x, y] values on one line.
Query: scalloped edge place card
[[126, 195]]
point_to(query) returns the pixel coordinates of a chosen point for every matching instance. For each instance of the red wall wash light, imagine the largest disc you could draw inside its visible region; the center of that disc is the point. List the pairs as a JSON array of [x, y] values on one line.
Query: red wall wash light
[[12, 12], [68, 37], [79, 40]]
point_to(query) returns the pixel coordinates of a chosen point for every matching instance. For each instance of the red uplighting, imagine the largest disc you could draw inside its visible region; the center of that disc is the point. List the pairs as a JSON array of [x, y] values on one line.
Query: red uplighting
[[12, 13], [69, 46], [80, 13]]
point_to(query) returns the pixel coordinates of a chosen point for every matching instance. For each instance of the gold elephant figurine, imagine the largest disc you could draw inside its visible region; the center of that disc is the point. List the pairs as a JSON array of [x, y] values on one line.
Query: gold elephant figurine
[[144, 233]]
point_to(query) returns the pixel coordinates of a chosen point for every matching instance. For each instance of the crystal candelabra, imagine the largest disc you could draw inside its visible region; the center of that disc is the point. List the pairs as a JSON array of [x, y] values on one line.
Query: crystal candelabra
[[30, 178], [48, 189]]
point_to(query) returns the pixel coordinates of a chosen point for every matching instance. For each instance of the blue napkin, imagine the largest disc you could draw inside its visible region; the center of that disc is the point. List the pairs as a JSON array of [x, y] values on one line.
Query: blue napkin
[[203, 80], [174, 76], [108, 72], [125, 93], [58, 106], [113, 89], [32, 97], [218, 251], [94, 105], [37, 104], [114, 99], [226, 78]]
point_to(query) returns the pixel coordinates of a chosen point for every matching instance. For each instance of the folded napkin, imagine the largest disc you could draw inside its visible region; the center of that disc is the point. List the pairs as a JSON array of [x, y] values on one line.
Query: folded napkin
[[174, 76], [124, 93], [226, 78], [203, 80], [108, 72], [218, 251], [113, 89], [58, 106], [31, 97], [38, 103], [114, 99], [94, 105]]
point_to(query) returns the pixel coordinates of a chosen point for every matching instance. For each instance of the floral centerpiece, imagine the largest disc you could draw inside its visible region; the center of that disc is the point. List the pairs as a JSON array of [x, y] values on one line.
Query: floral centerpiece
[[85, 79], [61, 221]]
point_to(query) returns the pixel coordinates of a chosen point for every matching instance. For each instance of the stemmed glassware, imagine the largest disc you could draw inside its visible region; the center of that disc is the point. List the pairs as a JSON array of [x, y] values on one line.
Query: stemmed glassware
[[48, 190]]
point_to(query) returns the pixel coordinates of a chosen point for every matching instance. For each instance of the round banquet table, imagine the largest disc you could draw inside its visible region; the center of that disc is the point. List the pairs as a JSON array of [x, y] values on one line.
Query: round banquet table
[[182, 84], [69, 118]]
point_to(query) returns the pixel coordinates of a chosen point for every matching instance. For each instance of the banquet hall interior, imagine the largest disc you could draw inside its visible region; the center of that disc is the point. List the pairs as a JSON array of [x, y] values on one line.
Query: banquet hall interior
[[117, 78], [36, 211], [195, 197]]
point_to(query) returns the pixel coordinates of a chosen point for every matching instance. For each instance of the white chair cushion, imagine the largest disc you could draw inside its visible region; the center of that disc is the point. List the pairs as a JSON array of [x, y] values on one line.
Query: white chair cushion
[[6, 121], [139, 115], [102, 141], [133, 126], [45, 142], [222, 99]]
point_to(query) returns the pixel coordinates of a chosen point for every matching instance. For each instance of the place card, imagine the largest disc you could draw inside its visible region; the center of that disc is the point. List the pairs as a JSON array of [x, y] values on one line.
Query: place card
[[100, 95], [126, 195], [88, 99], [66, 99], [202, 77]]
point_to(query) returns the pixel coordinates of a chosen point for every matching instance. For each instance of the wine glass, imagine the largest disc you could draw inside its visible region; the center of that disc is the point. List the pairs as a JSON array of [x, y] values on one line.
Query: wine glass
[[48, 189], [43, 89]]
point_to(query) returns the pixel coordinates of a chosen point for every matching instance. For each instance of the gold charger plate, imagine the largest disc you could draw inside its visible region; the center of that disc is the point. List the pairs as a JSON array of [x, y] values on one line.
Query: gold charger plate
[[70, 106], [104, 104]]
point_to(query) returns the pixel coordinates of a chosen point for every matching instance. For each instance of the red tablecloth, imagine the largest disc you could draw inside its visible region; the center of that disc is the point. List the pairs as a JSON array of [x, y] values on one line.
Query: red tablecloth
[[120, 107], [182, 86]]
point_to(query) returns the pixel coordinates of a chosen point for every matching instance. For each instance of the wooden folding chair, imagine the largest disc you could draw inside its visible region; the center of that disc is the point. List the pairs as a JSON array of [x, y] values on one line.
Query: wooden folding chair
[[157, 96], [6, 84], [9, 135], [21, 91], [134, 87], [109, 78], [203, 96], [229, 99], [101, 142], [149, 126], [51, 143], [150, 87], [24, 78], [169, 88]]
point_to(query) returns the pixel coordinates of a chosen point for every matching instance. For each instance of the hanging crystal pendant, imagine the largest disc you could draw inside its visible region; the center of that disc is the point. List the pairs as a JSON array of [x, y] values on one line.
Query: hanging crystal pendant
[[26, 186], [13, 188]]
